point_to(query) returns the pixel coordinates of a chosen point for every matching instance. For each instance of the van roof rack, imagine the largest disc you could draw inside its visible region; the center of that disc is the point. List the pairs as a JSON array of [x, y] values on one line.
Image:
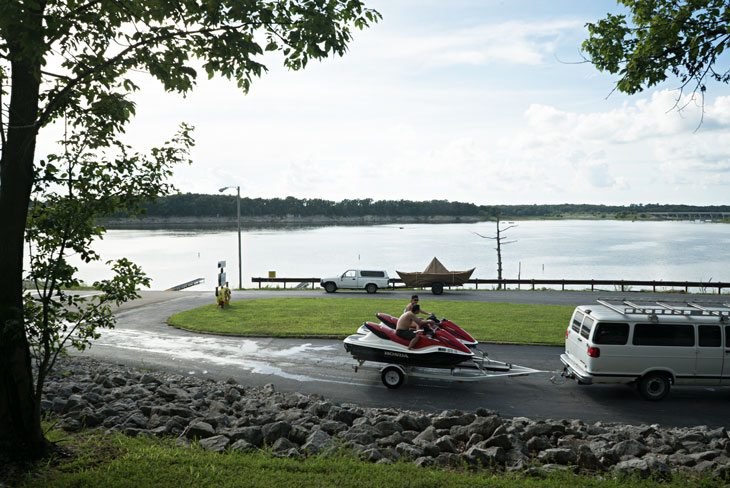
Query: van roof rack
[[667, 307]]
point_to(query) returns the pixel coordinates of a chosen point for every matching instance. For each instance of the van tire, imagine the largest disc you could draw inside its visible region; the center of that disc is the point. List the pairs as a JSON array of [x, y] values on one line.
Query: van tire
[[330, 287], [654, 386], [371, 288]]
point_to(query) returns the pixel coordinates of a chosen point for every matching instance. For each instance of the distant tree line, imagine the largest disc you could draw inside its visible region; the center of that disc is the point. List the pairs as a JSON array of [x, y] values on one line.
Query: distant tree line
[[202, 205]]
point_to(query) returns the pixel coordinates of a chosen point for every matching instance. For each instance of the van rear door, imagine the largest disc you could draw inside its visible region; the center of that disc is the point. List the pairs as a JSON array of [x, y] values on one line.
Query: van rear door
[[576, 342], [726, 363], [710, 354]]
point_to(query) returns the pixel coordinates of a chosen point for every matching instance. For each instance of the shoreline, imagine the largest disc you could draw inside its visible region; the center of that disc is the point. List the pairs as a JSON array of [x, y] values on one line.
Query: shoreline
[[206, 222], [218, 221]]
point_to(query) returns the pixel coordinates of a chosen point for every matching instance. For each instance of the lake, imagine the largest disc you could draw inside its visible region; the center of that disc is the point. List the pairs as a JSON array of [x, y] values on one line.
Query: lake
[[570, 249]]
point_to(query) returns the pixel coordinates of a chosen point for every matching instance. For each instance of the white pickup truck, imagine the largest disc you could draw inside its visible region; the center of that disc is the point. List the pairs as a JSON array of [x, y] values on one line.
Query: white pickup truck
[[370, 280]]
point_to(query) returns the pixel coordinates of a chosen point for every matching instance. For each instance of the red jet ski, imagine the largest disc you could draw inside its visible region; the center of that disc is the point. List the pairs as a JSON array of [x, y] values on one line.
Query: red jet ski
[[444, 324], [436, 348]]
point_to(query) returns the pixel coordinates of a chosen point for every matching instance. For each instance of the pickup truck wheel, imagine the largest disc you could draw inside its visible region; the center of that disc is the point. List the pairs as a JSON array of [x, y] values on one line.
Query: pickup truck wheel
[[653, 386], [437, 288], [330, 287], [371, 288]]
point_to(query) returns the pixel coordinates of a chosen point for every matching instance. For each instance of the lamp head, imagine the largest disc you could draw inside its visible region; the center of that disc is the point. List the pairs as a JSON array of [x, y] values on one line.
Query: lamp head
[[223, 189]]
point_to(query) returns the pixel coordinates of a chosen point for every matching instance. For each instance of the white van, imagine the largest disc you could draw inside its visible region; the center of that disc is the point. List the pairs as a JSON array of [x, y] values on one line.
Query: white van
[[652, 345]]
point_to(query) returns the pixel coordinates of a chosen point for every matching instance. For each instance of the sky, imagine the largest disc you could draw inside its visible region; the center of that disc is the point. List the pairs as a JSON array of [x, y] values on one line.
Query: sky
[[479, 101]]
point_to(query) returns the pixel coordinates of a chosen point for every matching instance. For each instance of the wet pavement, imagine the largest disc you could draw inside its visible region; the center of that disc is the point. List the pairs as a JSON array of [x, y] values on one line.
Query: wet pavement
[[143, 339]]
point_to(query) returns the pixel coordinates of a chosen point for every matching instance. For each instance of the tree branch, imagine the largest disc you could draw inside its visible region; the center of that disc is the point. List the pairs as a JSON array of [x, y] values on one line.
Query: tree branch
[[56, 102]]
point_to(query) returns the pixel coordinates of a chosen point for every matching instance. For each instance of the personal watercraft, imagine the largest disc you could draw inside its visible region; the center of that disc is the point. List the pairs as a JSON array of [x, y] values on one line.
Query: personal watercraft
[[437, 348], [444, 324]]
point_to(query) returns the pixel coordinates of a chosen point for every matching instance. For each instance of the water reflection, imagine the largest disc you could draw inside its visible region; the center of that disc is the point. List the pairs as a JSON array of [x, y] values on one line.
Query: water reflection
[[563, 249]]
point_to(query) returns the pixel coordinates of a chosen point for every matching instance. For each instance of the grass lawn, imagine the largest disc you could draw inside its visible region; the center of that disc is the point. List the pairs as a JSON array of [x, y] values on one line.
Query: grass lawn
[[94, 459], [318, 317]]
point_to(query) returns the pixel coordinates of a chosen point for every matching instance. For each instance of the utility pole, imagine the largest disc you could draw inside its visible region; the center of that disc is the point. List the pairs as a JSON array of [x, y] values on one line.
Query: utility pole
[[238, 217]]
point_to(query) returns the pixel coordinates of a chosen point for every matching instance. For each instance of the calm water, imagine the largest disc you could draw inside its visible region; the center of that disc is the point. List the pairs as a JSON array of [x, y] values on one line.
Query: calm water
[[692, 251]]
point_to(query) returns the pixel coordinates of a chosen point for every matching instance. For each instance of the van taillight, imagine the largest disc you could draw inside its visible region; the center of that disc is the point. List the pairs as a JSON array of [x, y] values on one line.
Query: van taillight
[[594, 352], [567, 332]]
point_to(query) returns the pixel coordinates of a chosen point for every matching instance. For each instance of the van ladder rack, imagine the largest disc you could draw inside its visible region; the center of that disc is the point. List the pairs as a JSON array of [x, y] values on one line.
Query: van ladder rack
[[653, 309]]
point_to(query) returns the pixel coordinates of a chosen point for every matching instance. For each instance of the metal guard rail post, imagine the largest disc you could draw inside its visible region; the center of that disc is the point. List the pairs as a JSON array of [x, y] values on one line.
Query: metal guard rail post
[[622, 284]]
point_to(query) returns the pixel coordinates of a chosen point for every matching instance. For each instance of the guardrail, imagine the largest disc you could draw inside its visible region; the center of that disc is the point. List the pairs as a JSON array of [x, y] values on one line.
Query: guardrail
[[621, 285]]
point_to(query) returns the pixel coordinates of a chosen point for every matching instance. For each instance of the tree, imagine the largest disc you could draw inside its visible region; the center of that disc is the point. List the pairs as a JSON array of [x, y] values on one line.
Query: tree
[[499, 239], [74, 59], [665, 37], [71, 190]]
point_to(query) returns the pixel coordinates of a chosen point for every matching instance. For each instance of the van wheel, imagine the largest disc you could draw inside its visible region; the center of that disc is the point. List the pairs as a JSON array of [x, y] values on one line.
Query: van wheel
[[371, 288], [330, 287], [654, 386], [392, 377], [437, 288]]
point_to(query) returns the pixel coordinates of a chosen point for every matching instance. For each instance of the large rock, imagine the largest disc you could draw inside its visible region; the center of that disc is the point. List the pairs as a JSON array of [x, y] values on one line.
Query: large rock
[[538, 443], [502, 441], [446, 444], [447, 422], [484, 426], [490, 457], [275, 431], [631, 448], [387, 427], [409, 451], [558, 456], [217, 443], [392, 440], [317, 442], [425, 437], [252, 434], [200, 430]]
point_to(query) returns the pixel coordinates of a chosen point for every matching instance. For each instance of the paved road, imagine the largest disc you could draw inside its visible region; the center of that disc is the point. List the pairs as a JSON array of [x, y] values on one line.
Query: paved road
[[142, 338]]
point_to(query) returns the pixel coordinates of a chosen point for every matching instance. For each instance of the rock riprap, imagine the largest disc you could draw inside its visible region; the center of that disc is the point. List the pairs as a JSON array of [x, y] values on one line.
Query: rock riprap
[[227, 415]]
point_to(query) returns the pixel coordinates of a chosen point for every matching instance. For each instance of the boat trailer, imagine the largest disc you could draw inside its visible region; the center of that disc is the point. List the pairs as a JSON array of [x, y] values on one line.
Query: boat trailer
[[479, 368]]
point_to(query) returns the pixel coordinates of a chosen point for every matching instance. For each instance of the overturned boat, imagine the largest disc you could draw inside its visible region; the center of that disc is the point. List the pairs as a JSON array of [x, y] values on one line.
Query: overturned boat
[[435, 276]]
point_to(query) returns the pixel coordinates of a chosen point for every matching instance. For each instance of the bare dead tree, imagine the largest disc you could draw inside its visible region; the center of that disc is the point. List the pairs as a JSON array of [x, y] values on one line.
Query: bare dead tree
[[499, 238]]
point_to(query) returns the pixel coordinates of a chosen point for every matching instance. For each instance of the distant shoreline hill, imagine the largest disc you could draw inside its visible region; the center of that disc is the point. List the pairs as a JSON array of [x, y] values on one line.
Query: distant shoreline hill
[[191, 209]]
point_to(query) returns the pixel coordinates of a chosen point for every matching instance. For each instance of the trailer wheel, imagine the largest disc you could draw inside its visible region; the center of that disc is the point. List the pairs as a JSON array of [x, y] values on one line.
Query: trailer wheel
[[392, 377], [654, 386], [437, 288]]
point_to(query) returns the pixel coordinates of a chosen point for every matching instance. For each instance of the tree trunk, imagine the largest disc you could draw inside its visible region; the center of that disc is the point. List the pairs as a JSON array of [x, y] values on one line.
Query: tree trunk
[[499, 257], [20, 429]]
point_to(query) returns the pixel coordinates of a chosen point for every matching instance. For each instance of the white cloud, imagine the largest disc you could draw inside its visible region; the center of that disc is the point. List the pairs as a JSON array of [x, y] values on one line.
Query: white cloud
[[511, 42]]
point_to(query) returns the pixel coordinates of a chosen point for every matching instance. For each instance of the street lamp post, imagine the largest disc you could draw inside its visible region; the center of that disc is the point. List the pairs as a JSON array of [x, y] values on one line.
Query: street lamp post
[[238, 216]]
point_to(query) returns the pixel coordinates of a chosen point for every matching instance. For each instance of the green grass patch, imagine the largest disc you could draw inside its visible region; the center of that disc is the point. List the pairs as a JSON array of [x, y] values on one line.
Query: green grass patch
[[93, 459], [318, 317]]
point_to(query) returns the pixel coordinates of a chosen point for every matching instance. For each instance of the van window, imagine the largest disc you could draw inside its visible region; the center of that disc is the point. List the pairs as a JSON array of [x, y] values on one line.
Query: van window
[[372, 274], [611, 333], [575, 325], [710, 336], [664, 335], [585, 331]]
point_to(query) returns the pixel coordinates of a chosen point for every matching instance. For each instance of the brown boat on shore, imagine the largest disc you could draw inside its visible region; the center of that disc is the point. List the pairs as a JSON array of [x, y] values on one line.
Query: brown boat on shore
[[435, 276]]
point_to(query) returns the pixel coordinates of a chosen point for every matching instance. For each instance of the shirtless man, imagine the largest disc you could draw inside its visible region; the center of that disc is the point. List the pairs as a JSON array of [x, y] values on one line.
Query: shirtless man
[[403, 327], [414, 301]]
